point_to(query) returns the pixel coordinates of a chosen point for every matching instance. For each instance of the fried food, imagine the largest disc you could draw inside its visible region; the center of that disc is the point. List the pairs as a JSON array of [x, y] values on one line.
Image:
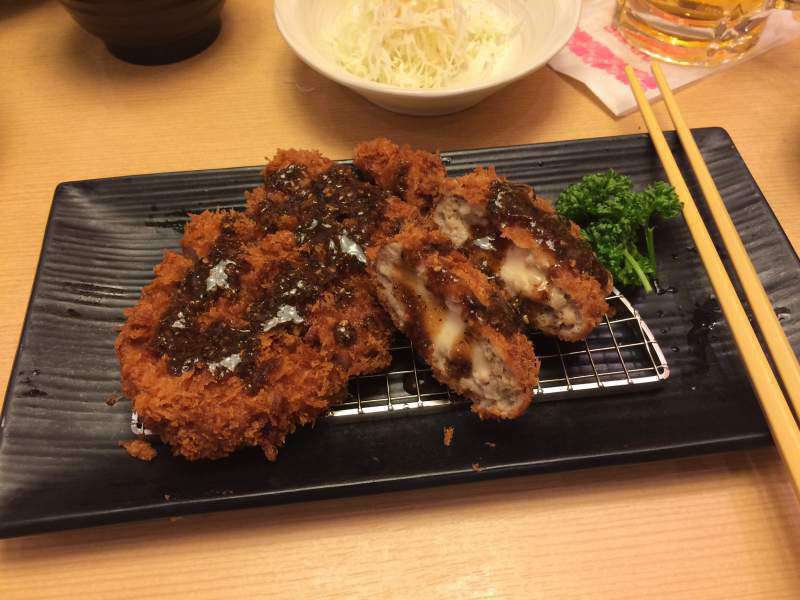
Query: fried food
[[255, 328], [457, 319], [140, 449], [549, 271], [311, 196], [413, 175]]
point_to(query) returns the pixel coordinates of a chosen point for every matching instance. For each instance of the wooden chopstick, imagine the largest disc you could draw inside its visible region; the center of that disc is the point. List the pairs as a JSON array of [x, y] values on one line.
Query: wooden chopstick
[[779, 416], [779, 347]]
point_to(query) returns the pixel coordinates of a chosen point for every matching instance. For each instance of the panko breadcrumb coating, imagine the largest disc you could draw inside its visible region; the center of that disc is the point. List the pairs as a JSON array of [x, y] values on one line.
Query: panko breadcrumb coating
[[413, 175], [140, 449], [448, 436]]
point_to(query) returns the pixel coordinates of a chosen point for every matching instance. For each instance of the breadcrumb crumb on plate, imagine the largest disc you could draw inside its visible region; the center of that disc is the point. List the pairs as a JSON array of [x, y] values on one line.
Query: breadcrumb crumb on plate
[[141, 449], [448, 436]]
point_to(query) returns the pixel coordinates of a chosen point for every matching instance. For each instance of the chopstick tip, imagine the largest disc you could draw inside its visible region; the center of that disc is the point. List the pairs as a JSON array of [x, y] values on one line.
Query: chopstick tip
[[635, 84]]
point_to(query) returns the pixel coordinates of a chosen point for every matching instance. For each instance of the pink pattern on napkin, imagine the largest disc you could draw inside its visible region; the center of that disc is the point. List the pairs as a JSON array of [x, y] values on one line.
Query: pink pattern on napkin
[[596, 55]]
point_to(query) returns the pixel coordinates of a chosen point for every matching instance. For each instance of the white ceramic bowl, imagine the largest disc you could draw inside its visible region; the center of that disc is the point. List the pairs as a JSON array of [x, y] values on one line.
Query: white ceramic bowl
[[546, 26]]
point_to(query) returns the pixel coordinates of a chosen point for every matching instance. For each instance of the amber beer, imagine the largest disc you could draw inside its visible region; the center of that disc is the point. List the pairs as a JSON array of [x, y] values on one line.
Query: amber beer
[[697, 32]]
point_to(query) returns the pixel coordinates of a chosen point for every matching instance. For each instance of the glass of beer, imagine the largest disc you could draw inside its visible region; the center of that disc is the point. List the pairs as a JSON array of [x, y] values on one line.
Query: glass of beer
[[695, 32]]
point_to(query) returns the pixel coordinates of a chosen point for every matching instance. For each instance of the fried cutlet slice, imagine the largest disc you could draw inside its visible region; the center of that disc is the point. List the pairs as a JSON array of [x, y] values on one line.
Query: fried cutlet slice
[[539, 256], [458, 321], [547, 269], [413, 175], [255, 328], [213, 373]]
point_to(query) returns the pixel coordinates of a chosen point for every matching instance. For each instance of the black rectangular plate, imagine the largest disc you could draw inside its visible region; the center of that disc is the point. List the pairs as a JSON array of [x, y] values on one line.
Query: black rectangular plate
[[60, 465]]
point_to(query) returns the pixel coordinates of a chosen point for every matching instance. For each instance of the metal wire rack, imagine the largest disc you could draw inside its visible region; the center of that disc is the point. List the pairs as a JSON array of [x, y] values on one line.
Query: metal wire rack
[[621, 352]]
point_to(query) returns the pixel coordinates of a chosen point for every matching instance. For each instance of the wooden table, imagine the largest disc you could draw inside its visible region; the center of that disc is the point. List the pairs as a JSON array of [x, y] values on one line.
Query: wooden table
[[723, 526]]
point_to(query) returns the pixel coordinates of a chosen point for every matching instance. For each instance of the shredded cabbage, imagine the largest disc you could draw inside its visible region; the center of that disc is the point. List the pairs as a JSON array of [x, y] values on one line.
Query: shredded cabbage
[[421, 43]]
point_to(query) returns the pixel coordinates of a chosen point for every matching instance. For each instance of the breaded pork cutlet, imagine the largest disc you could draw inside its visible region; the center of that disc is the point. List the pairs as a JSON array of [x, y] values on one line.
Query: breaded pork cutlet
[[539, 256], [457, 319], [256, 326]]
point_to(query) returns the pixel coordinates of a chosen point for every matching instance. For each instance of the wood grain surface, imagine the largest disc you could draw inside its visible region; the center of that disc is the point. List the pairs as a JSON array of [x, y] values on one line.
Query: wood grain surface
[[723, 526]]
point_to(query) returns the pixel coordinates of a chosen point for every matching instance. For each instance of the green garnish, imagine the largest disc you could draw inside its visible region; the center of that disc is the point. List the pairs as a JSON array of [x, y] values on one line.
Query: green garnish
[[615, 220]]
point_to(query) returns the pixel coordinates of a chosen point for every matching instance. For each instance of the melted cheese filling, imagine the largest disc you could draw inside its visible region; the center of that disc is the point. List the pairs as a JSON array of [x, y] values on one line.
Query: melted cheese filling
[[520, 275]]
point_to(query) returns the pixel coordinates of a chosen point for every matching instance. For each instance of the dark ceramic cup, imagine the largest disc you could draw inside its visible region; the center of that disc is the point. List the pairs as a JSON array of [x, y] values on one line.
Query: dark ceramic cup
[[150, 31]]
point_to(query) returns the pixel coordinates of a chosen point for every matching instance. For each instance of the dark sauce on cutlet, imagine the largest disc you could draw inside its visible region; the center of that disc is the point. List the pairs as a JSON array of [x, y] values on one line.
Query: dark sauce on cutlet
[[511, 204], [332, 215], [291, 180], [179, 336], [497, 312], [335, 203], [336, 214], [344, 334]]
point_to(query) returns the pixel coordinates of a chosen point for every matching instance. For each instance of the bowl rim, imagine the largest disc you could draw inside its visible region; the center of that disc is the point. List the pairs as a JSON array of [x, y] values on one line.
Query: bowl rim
[[348, 80]]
